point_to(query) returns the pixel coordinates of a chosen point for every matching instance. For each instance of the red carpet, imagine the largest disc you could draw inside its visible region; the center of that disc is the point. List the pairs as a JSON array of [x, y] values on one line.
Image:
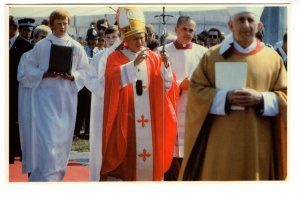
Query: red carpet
[[76, 172]]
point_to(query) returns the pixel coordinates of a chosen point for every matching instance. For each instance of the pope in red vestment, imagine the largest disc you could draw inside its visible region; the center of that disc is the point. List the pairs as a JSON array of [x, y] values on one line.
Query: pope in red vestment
[[121, 123]]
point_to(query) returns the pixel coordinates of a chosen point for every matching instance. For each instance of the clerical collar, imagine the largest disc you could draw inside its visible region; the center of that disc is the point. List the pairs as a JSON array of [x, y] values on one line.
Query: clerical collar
[[65, 38], [128, 53], [183, 46], [240, 49]]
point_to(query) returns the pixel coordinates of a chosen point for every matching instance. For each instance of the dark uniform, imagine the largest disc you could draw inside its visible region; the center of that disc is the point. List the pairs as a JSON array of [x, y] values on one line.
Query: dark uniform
[[19, 47]]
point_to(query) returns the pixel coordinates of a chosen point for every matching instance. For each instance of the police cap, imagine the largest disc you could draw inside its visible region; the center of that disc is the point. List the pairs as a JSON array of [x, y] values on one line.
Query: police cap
[[92, 34], [26, 23]]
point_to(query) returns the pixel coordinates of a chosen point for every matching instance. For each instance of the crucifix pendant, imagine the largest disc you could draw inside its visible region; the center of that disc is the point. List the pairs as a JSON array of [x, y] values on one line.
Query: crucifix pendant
[[139, 87]]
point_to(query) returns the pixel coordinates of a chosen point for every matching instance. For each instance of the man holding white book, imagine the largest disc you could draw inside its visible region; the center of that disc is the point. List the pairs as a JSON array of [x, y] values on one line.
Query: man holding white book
[[236, 121]]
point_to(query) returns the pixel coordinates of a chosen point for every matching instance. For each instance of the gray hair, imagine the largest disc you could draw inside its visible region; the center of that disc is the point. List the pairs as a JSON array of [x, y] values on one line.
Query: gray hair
[[42, 28], [183, 19]]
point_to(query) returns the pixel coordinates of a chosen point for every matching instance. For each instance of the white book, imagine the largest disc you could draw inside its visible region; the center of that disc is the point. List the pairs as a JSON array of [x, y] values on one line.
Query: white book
[[229, 76]]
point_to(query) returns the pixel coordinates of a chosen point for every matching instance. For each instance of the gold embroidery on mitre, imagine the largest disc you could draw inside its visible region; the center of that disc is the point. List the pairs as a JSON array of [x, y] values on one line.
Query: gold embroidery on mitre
[[134, 23]]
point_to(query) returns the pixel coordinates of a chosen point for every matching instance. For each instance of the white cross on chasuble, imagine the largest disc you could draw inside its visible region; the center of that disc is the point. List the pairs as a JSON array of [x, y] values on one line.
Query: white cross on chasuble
[[144, 157]]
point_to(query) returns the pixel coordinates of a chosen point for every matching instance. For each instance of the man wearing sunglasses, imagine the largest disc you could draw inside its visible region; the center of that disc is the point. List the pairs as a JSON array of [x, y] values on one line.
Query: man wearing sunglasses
[[214, 37]]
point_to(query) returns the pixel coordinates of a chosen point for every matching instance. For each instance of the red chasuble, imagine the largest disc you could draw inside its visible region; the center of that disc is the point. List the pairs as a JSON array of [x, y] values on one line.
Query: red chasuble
[[119, 139]]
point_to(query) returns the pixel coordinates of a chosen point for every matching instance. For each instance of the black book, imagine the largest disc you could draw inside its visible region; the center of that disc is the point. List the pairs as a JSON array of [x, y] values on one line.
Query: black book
[[60, 59]]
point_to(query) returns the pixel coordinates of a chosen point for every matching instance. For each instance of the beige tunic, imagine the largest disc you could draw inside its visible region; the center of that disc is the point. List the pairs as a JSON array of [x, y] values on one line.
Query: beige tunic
[[240, 146]]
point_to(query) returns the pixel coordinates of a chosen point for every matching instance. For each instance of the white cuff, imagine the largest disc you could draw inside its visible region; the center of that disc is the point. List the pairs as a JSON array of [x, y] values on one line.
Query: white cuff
[[271, 106], [218, 105], [78, 83]]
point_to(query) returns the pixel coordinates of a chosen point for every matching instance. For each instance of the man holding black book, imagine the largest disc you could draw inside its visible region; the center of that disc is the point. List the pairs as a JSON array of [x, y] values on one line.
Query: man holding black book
[[59, 70]]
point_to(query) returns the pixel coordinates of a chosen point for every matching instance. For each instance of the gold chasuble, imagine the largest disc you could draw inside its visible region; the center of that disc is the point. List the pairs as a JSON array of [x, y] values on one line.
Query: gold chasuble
[[241, 145]]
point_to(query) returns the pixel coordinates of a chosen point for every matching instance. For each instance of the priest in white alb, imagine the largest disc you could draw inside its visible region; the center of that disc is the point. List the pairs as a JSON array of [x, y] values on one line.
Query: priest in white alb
[[184, 56]]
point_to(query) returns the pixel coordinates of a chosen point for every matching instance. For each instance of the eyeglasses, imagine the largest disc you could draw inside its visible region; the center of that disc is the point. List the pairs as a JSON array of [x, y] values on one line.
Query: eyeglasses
[[111, 37], [213, 36]]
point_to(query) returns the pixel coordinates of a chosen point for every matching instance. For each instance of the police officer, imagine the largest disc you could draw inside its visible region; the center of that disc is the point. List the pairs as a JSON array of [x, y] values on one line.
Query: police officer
[[17, 46], [25, 27], [92, 41]]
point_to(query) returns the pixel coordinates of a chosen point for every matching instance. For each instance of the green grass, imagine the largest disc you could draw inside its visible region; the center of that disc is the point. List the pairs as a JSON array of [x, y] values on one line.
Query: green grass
[[81, 145]]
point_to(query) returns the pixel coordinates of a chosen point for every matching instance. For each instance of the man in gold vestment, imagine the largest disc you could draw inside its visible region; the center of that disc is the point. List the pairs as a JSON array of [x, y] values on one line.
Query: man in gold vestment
[[222, 143]]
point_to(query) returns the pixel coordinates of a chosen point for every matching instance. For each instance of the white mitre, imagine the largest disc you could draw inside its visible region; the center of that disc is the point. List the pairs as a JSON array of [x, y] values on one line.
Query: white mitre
[[257, 10], [131, 20]]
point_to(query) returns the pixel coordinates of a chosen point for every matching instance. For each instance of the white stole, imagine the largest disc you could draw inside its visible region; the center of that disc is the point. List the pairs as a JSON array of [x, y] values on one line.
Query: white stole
[[144, 150]]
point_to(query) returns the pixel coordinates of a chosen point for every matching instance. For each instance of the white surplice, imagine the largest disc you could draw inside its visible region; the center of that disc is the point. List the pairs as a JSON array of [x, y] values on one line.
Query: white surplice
[[25, 110], [183, 63], [54, 108]]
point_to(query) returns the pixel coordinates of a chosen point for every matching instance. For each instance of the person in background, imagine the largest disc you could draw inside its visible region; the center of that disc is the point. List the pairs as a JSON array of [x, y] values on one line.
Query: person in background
[[93, 24], [101, 25], [202, 38], [150, 33], [40, 32], [84, 95], [111, 35], [213, 37], [226, 143], [17, 46], [25, 27], [81, 40], [282, 51], [260, 34], [91, 43], [45, 22], [55, 98], [195, 39], [101, 41], [184, 56], [26, 102], [153, 45]]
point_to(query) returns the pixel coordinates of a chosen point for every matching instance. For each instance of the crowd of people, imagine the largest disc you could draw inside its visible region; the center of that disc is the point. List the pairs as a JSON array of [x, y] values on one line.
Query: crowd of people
[[150, 106]]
